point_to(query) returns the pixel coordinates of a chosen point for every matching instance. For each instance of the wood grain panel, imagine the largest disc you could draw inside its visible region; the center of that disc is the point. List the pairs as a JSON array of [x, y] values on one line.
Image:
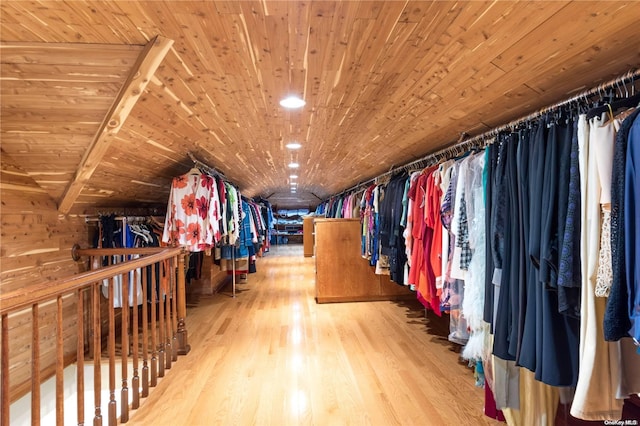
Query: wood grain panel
[[385, 82], [69, 54], [342, 275], [139, 76], [35, 246]]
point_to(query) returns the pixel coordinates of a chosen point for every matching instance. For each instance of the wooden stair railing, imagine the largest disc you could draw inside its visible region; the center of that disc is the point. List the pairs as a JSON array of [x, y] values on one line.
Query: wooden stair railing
[[156, 335]]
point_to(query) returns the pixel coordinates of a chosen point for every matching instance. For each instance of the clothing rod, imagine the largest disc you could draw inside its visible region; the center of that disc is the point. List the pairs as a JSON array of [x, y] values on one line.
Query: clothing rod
[[629, 77], [204, 166], [127, 218], [483, 138]]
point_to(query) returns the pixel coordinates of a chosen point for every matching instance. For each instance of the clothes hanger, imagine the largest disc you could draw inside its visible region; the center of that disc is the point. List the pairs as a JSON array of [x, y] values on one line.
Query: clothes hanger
[[194, 171], [625, 103]]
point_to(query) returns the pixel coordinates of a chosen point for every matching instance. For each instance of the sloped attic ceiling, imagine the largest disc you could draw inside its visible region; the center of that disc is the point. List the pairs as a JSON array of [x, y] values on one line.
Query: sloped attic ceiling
[[385, 83]]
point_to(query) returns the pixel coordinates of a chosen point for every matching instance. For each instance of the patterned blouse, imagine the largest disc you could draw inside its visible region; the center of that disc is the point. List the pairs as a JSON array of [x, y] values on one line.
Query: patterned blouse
[[193, 213]]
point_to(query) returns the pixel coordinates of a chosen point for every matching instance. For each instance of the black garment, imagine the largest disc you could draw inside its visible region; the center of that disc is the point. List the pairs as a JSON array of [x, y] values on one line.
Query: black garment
[[529, 355], [111, 232], [557, 167], [549, 345], [498, 206], [500, 247], [391, 240], [558, 348], [490, 165], [569, 274], [506, 326], [616, 318], [194, 270], [536, 194], [497, 234], [397, 238], [549, 222], [525, 266]]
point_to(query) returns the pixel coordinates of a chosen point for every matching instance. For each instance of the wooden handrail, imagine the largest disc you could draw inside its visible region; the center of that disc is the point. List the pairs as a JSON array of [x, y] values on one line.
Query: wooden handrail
[[163, 337], [37, 293], [77, 252]]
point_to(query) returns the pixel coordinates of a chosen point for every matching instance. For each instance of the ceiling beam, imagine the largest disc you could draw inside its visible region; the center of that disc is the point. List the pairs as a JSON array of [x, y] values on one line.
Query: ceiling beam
[[140, 75]]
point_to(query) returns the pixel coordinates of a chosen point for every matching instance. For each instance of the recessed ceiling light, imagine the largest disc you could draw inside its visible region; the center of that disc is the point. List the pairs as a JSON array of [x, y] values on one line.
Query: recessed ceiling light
[[293, 145], [293, 176], [292, 102], [294, 165]]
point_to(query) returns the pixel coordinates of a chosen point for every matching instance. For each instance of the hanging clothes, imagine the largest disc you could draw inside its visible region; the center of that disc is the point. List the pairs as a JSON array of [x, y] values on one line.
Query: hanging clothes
[[460, 255], [473, 302], [531, 248], [617, 322], [632, 218], [421, 274], [119, 234], [192, 212], [390, 240], [595, 397], [408, 230]]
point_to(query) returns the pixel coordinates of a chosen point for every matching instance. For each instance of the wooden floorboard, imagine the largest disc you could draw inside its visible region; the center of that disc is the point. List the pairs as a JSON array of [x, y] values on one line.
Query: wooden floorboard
[[272, 356]]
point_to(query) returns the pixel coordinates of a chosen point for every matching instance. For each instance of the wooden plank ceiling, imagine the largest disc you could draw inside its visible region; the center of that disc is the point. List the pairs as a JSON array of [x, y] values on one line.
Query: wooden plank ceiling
[[385, 83]]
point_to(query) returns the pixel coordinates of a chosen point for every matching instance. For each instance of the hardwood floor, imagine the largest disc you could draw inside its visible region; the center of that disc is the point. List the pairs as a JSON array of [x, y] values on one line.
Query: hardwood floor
[[272, 356]]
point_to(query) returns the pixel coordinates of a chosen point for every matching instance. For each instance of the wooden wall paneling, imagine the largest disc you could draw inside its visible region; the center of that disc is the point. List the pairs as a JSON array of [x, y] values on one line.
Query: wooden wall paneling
[[228, 7], [342, 275], [455, 28], [87, 91], [560, 78], [308, 236], [199, 19], [41, 84], [538, 51], [62, 128], [385, 82], [35, 246], [128, 14], [54, 115], [156, 105], [164, 143], [145, 66], [298, 20], [71, 55]]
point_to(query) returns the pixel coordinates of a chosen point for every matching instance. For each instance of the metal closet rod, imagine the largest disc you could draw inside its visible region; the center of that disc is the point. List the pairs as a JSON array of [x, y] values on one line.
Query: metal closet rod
[[127, 218], [483, 139], [199, 164]]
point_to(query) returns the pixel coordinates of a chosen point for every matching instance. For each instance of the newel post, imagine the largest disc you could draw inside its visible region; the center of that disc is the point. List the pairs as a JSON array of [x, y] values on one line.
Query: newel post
[[183, 344]]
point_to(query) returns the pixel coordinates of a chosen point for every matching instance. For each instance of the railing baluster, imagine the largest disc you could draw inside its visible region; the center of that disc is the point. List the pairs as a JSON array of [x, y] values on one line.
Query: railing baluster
[[135, 380], [35, 366], [124, 341], [112, 356], [174, 315], [161, 328], [97, 356], [167, 317], [183, 344], [4, 387], [59, 365], [154, 340], [145, 334], [80, 356]]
